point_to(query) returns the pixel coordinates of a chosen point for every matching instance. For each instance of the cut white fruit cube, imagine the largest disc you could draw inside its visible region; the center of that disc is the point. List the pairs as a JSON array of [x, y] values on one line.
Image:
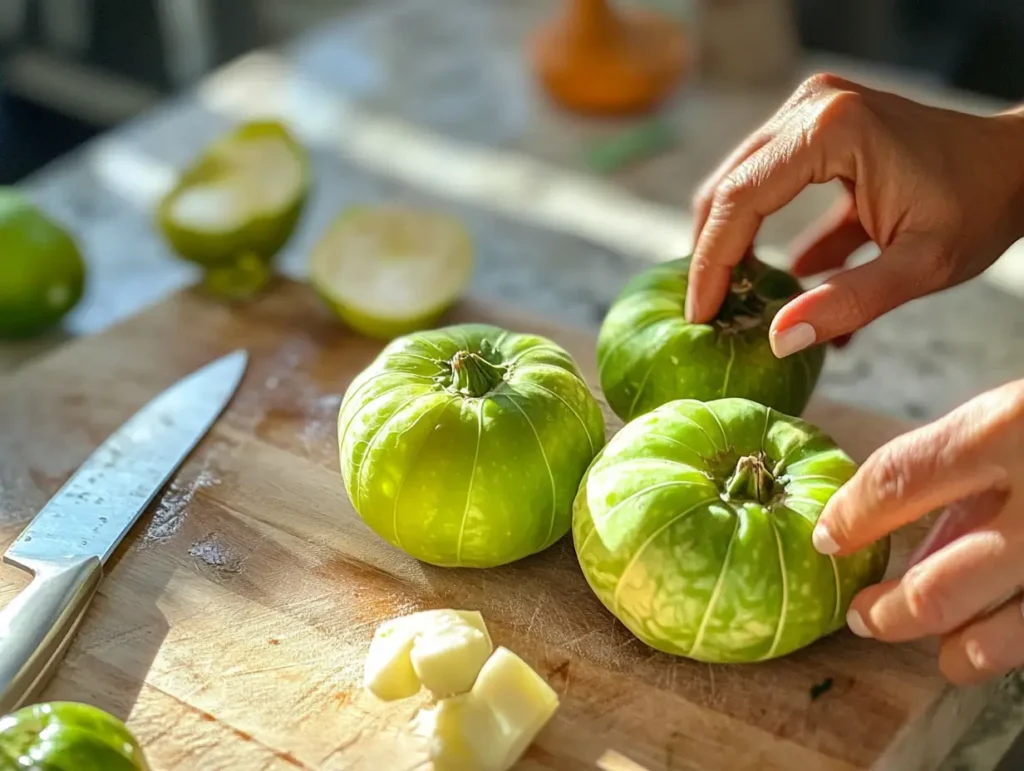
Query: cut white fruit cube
[[388, 672], [521, 701], [448, 656], [489, 728], [458, 732], [440, 649]]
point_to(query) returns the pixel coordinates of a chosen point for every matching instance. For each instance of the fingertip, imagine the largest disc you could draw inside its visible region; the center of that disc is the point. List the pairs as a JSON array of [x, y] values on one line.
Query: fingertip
[[707, 286], [857, 625], [823, 540], [793, 339], [690, 309], [689, 312]]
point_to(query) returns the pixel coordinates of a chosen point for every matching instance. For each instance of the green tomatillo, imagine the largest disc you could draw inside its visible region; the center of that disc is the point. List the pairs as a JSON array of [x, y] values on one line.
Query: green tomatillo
[[648, 354], [464, 445], [693, 527], [67, 736]]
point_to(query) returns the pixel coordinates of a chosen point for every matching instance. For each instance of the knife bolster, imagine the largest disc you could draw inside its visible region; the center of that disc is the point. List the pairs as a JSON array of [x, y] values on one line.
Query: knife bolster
[[37, 625]]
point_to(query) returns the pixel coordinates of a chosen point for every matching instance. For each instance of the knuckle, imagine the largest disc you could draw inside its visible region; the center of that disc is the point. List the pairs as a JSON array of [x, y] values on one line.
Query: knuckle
[[849, 308], [699, 263], [857, 307], [902, 466], [841, 108], [821, 82], [924, 600], [889, 475], [941, 270], [734, 190]]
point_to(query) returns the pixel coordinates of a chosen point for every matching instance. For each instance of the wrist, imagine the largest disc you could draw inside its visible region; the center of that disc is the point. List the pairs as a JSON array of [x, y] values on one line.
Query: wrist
[[1011, 125]]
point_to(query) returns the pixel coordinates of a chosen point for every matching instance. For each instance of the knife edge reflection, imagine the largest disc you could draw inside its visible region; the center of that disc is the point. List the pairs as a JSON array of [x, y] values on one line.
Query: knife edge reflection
[[97, 506]]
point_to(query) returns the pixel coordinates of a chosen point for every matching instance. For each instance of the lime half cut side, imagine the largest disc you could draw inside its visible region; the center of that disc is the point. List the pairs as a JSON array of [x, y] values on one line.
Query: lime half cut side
[[237, 205], [389, 270]]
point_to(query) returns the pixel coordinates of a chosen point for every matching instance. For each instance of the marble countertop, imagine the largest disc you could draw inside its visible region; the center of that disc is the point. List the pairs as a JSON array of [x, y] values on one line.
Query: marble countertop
[[432, 105]]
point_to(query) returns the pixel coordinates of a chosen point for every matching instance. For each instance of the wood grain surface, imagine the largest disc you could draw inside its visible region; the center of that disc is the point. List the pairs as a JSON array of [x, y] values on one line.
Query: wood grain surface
[[230, 628]]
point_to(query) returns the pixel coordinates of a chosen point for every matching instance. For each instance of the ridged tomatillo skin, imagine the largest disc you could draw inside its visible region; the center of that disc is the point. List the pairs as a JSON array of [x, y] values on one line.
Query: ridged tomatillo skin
[[695, 570], [67, 736], [476, 478], [648, 354]]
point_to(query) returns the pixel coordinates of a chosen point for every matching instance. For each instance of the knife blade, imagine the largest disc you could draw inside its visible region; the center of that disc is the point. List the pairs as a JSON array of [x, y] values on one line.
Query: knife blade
[[67, 543]]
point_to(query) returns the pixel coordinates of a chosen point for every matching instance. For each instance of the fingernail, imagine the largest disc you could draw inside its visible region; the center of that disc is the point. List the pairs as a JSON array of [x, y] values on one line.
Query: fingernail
[[793, 339], [857, 625], [976, 656], [823, 540]]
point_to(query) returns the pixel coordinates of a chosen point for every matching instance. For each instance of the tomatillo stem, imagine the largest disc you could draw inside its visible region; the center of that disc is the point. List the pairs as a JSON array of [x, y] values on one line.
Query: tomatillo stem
[[472, 375], [751, 480]]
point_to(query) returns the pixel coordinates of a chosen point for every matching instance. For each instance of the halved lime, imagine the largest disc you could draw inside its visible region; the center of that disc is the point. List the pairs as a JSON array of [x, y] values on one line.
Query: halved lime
[[237, 205], [42, 273], [390, 270]]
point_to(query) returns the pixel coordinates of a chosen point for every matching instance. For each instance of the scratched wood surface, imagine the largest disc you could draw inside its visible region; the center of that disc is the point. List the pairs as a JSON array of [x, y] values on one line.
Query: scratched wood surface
[[230, 628]]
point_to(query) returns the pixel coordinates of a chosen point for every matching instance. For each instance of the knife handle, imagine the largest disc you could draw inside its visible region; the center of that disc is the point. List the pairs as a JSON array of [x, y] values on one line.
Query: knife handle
[[37, 625]]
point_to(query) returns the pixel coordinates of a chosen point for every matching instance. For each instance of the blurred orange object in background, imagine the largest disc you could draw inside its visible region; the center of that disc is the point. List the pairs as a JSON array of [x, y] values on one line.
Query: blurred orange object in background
[[596, 59]]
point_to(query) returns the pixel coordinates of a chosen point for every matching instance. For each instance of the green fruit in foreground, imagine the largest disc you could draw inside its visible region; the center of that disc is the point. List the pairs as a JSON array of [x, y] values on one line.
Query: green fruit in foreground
[[693, 527], [648, 354], [65, 736], [42, 274], [464, 445], [234, 208]]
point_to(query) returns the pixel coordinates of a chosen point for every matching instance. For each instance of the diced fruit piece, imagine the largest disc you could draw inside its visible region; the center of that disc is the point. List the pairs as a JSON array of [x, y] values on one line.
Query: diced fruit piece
[[520, 700], [448, 656], [388, 672], [441, 649], [459, 733], [388, 270], [489, 728]]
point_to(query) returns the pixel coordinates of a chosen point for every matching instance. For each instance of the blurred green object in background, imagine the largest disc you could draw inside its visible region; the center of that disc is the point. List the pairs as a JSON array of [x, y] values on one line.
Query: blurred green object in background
[[640, 142], [42, 273]]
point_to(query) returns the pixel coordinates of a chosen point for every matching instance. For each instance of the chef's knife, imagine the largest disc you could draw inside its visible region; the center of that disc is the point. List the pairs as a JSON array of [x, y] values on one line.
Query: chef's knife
[[67, 543]]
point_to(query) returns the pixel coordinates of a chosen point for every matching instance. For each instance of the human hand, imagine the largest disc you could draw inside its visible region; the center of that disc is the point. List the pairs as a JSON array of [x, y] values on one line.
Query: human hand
[[941, 193], [964, 583]]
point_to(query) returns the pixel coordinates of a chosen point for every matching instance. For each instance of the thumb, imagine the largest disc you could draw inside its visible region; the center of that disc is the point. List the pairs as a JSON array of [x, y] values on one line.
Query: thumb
[[909, 268]]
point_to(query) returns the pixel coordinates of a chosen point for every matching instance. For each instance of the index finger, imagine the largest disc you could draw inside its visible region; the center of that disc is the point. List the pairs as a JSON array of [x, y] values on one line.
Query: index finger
[[912, 475], [768, 180]]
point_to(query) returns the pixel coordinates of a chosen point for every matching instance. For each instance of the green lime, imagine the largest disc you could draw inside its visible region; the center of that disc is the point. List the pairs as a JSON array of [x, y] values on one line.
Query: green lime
[[387, 270], [237, 205], [42, 274]]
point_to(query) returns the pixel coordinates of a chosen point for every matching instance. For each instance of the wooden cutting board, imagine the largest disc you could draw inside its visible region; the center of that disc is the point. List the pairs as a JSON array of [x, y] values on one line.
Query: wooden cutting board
[[231, 625]]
